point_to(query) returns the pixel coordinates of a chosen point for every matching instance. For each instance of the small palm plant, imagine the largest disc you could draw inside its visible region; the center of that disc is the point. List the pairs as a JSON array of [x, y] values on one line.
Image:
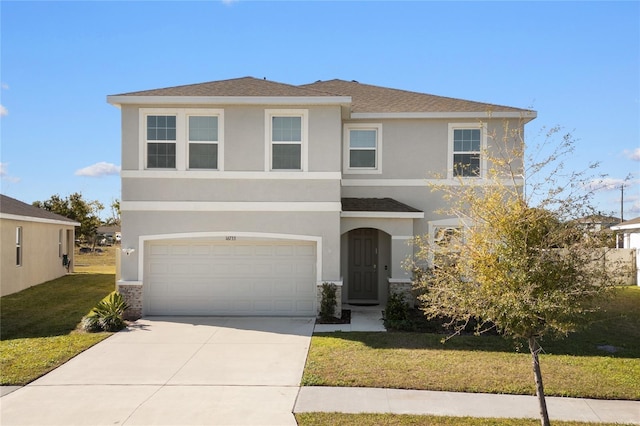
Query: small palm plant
[[107, 315]]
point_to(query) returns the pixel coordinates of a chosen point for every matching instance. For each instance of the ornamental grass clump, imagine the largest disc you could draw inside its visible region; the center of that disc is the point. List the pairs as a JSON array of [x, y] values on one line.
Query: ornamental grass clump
[[107, 315]]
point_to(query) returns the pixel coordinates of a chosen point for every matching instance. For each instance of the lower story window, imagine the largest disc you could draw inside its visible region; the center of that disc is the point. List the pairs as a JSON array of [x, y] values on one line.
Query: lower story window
[[161, 155], [203, 156], [286, 156]]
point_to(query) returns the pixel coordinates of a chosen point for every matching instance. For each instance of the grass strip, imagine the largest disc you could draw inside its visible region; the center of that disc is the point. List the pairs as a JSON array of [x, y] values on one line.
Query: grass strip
[[364, 419]]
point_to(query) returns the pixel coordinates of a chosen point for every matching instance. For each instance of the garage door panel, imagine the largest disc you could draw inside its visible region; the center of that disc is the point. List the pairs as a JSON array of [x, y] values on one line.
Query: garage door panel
[[215, 277]]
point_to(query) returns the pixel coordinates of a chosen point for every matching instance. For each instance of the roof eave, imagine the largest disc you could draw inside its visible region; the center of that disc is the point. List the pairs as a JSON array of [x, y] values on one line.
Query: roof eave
[[26, 218], [524, 115], [118, 100], [382, 215]]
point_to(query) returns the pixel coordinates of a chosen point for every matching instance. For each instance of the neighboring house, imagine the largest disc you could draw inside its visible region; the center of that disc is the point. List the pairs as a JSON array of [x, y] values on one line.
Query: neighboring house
[[630, 231], [242, 196], [35, 243], [110, 233], [598, 222]]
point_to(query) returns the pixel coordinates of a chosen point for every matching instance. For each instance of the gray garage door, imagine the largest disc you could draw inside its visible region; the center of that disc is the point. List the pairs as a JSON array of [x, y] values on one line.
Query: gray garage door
[[219, 277]]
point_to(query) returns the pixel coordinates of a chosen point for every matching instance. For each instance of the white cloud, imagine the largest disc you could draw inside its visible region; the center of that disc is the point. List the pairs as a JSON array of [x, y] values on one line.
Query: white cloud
[[99, 170], [635, 208], [605, 184], [3, 111], [4, 174], [632, 155]]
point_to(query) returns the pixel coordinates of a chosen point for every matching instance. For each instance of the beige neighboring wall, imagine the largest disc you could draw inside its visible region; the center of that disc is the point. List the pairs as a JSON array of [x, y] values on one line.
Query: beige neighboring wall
[[41, 253]]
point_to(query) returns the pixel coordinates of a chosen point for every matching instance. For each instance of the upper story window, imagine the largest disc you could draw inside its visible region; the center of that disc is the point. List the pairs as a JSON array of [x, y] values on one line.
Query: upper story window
[[181, 139], [466, 142], [19, 246], [203, 142], [363, 143], [161, 141], [286, 139]]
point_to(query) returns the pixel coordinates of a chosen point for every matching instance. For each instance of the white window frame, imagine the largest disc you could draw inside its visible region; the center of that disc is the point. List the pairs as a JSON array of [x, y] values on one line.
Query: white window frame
[[206, 113], [304, 135], [60, 239], [483, 147], [19, 244], [182, 136], [146, 142], [346, 165]]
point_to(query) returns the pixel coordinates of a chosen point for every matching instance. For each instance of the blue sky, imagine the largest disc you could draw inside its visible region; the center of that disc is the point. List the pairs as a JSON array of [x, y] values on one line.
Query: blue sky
[[576, 63]]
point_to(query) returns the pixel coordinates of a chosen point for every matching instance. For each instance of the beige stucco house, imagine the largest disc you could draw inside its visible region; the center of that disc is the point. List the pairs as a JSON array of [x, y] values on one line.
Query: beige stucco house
[[35, 244], [242, 196]]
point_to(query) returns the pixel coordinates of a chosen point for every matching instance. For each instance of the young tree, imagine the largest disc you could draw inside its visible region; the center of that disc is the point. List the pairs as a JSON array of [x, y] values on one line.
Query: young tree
[[76, 208], [519, 263], [114, 220]]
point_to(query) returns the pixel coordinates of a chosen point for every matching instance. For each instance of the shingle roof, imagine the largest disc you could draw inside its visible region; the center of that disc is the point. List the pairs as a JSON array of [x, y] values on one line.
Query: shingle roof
[[245, 86], [12, 206], [376, 205], [368, 98], [631, 223], [365, 98]]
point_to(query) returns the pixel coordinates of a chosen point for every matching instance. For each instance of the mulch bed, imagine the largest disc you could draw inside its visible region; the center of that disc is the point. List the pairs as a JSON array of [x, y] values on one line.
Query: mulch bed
[[345, 319]]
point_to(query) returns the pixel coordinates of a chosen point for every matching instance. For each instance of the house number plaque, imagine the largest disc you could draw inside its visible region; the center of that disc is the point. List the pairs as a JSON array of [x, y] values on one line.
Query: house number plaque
[[230, 238]]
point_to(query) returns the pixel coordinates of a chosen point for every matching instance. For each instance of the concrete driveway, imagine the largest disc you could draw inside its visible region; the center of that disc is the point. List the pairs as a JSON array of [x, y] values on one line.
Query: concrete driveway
[[174, 371]]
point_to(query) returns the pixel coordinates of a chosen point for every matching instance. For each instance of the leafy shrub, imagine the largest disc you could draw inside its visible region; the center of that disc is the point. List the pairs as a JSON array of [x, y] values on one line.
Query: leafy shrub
[[329, 302], [396, 314], [397, 308], [107, 315]]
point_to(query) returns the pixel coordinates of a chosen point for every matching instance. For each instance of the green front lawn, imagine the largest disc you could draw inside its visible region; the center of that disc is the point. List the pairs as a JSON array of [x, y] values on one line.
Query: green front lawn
[[571, 367], [38, 326]]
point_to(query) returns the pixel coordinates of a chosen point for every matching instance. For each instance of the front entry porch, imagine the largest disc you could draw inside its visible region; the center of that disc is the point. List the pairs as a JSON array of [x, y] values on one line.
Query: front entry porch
[[375, 244]]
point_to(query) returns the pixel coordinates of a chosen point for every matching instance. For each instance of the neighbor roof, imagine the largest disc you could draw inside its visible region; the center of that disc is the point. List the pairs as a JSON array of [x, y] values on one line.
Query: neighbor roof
[[627, 225], [10, 208]]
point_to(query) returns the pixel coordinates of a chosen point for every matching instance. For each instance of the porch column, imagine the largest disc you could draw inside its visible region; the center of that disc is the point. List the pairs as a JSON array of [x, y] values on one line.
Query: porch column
[[400, 280]]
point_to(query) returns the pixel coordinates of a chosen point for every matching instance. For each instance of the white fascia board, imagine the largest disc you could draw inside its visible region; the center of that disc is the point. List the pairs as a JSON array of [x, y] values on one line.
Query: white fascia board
[[37, 219], [384, 215], [118, 100], [196, 174], [477, 115], [427, 182], [226, 206], [633, 226]]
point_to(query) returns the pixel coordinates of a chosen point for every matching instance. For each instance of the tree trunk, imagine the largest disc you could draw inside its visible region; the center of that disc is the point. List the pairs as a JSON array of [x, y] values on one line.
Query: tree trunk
[[534, 348]]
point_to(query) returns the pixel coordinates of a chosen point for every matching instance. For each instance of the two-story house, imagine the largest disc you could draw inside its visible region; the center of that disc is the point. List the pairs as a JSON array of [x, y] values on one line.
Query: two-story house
[[242, 196]]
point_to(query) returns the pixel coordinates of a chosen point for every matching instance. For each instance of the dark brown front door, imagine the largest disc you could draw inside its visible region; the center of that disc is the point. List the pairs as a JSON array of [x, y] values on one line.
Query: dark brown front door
[[363, 264]]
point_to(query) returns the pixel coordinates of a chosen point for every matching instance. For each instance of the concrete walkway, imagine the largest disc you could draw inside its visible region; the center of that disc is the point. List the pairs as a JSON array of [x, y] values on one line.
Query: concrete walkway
[[174, 371], [242, 371], [399, 401]]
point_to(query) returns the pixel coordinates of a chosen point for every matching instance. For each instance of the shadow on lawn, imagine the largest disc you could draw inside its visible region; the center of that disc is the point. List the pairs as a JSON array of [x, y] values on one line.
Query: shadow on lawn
[[54, 308]]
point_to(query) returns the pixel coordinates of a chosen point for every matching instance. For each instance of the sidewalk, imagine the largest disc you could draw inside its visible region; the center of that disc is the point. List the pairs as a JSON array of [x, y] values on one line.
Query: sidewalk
[[399, 401]]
